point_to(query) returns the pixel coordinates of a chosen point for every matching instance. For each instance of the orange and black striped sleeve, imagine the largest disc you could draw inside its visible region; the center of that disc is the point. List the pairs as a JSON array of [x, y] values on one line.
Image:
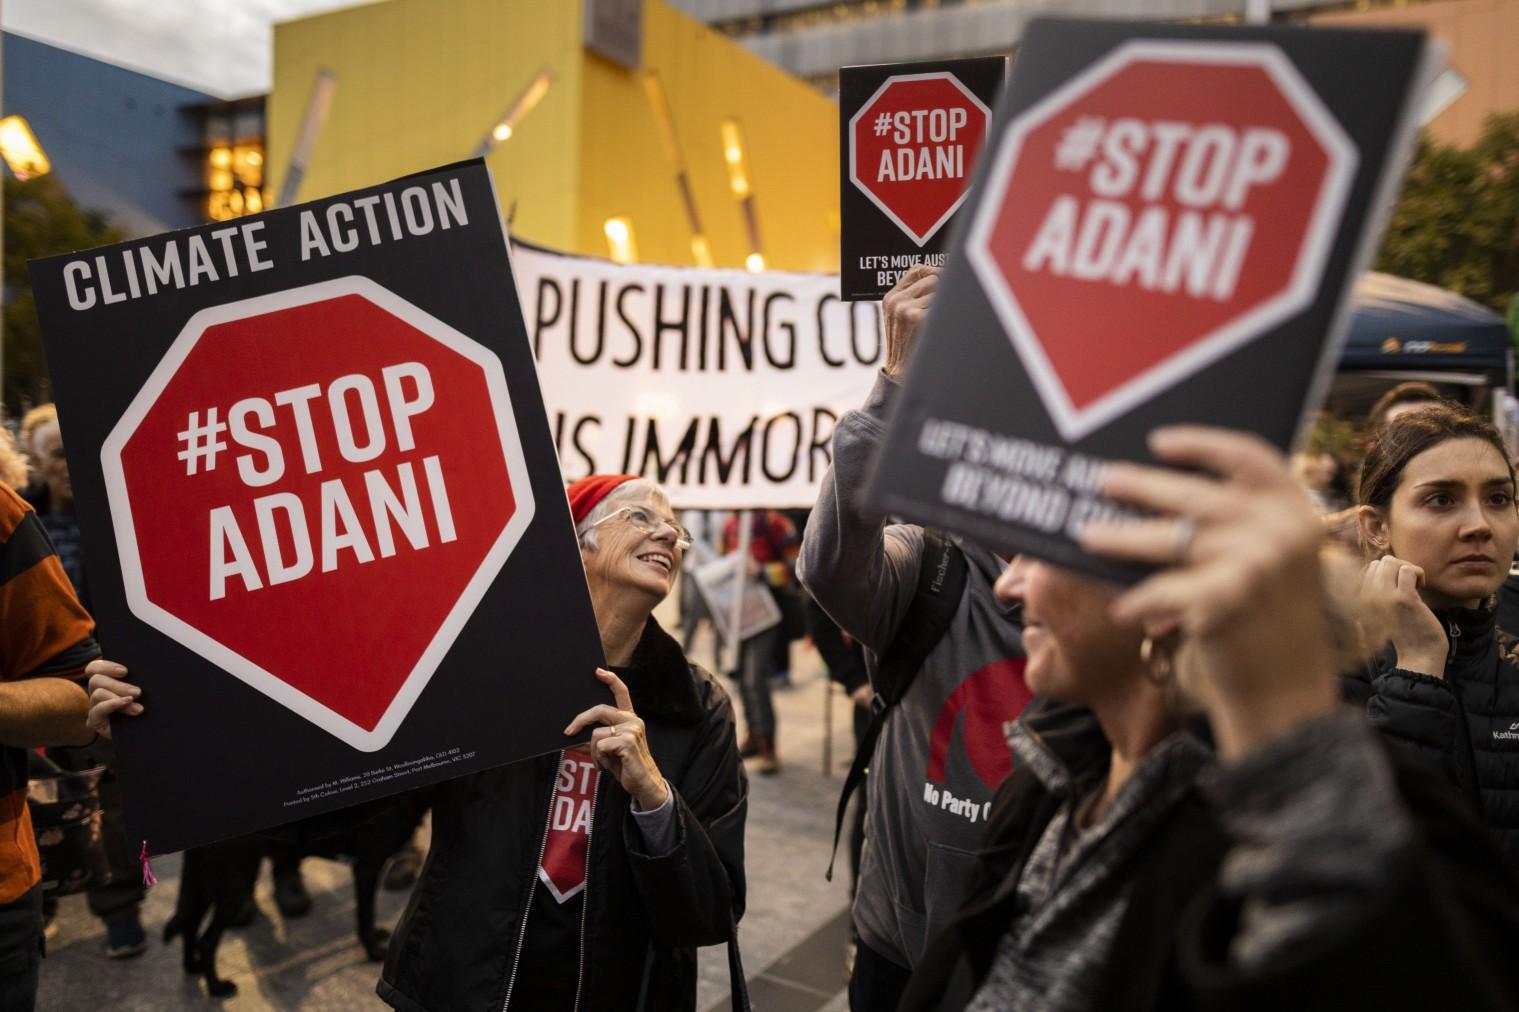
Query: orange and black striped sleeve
[[44, 630]]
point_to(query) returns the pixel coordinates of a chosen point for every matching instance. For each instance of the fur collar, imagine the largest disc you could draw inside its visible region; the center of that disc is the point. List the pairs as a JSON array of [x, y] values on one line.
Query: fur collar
[[660, 679]]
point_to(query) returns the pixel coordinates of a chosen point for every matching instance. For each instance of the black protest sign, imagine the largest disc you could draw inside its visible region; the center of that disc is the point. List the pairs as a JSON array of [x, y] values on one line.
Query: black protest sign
[[321, 507], [909, 137], [1163, 229]]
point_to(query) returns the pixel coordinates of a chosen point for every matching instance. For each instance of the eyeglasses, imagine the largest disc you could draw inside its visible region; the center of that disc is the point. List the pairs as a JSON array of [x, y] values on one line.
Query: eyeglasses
[[649, 523]]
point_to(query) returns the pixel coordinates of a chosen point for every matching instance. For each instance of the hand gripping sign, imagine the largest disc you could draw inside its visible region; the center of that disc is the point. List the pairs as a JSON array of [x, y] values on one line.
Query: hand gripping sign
[[330, 485], [1162, 230]]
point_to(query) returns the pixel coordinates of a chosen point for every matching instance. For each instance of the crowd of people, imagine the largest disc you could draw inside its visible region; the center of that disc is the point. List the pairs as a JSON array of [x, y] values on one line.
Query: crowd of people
[[1282, 771]]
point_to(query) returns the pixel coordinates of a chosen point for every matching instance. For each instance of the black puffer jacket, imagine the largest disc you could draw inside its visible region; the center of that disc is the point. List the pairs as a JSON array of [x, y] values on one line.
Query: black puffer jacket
[[457, 944], [1466, 724]]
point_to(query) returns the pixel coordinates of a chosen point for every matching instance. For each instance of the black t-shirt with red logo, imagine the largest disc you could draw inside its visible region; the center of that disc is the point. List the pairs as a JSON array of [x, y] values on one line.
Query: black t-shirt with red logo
[[549, 967]]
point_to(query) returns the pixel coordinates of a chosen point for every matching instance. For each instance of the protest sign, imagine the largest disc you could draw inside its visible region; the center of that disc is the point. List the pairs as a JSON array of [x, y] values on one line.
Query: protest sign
[[1164, 229], [715, 581], [321, 509], [910, 136], [721, 384]]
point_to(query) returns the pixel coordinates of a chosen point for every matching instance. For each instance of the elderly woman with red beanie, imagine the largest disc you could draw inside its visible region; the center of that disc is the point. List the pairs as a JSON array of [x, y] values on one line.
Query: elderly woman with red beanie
[[584, 879]]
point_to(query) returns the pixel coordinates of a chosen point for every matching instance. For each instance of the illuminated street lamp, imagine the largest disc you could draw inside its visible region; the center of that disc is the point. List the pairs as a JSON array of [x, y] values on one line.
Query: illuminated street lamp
[[523, 104], [733, 154], [738, 182], [19, 148], [619, 233]]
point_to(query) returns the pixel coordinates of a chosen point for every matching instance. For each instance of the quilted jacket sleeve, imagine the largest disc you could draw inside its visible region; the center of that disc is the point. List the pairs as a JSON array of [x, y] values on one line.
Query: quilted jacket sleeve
[[1420, 712]]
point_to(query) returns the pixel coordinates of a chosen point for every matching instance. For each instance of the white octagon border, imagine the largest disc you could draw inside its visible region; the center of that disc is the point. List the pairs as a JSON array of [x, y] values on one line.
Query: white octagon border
[[1319, 236], [231, 661], [855, 179]]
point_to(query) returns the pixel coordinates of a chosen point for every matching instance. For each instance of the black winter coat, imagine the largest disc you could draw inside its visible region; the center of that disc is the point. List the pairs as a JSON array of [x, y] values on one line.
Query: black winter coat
[[457, 944], [1465, 725], [1440, 935], [1507, 605]]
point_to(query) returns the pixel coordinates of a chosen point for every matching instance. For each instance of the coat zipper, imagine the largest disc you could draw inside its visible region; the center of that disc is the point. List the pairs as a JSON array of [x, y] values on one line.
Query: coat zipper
[[585, 898], [1471, 764], [527, 907]]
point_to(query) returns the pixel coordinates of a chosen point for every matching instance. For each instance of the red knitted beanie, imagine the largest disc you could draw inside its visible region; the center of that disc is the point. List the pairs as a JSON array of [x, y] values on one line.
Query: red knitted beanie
[[590, 490]]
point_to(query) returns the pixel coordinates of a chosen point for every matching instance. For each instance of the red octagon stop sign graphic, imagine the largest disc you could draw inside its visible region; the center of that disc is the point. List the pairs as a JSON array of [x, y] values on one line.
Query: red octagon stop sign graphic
[[1155, 213], [912, 147], [313, 491]]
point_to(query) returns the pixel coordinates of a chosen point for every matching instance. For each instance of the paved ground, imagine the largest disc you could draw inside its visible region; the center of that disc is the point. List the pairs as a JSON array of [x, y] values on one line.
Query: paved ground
[[793, 934]]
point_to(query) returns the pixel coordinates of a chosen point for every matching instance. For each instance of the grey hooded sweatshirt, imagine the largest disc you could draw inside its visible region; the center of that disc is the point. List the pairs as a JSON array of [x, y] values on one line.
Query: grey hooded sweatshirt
[[943, 750]]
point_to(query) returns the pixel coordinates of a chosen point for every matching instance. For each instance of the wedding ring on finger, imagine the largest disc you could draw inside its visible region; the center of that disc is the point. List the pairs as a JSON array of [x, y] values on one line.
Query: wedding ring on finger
[[1186, 530]]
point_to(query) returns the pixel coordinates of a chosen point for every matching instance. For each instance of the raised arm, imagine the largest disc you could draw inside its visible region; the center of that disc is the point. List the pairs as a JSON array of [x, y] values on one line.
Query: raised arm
[[860, 569], [1345, 874]]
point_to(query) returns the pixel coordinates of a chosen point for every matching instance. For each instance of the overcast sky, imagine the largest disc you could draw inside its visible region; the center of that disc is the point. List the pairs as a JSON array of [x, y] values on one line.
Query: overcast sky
[[220, 46]]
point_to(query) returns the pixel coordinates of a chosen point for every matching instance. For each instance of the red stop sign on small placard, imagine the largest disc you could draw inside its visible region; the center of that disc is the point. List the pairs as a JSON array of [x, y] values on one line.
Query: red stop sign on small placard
[[913, 146], [1153, 214], [283, 505]]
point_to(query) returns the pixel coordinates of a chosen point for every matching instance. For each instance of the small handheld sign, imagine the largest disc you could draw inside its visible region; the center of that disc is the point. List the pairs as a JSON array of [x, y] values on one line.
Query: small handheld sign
[[1164, 229], [321, 508], [910, 136]]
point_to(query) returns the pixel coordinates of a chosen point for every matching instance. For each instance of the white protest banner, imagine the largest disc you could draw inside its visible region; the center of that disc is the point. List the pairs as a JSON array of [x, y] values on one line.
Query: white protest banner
[[721, 384]]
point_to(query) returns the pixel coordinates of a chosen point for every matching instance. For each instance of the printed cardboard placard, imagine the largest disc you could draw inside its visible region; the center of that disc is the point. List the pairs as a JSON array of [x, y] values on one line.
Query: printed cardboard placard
[[321, 507], [910, 134], [715, 582], [1164, 229]]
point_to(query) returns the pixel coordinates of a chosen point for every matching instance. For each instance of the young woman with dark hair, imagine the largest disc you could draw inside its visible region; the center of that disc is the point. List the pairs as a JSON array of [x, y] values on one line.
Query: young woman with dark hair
[[1437, 509]]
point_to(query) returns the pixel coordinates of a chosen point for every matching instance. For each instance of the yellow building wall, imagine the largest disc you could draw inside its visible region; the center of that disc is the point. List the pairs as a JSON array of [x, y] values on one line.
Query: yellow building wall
[[790, 135], [1482, 37], [419, 82]]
